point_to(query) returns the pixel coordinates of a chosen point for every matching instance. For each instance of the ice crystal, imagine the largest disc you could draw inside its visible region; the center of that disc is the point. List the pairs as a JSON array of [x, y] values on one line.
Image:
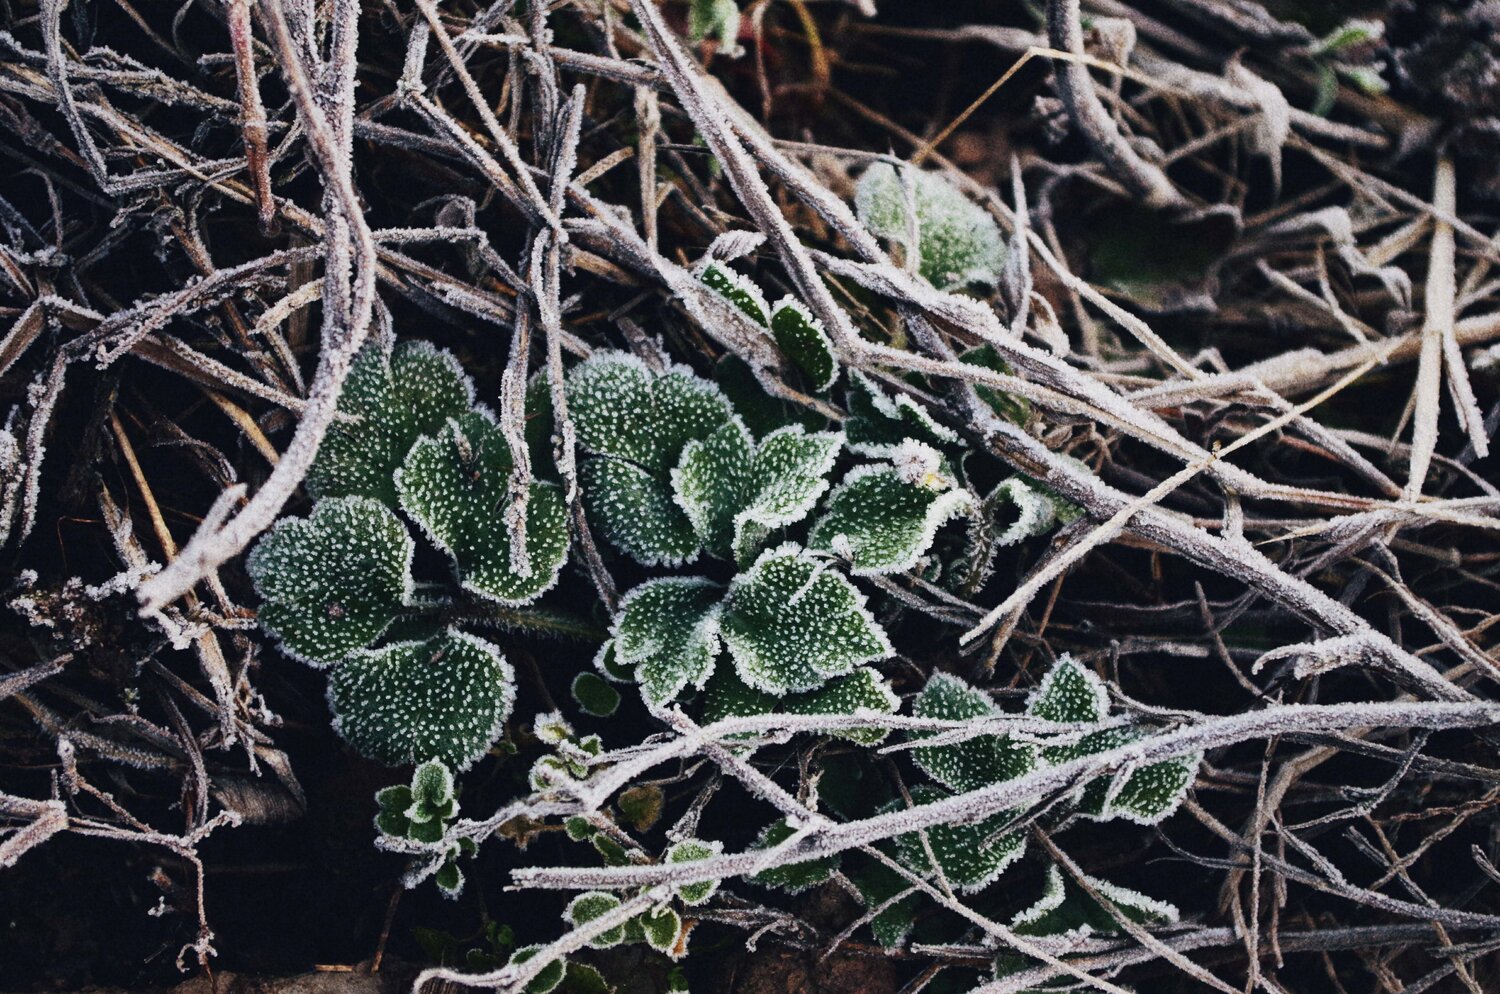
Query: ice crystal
[[668, 631], [883, 517], [958, 243]]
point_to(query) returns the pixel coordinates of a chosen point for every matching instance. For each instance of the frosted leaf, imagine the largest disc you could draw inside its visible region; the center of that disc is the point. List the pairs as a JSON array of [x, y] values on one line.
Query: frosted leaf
[[791, 624], [794, 878], [668, 630], [595, 697], [449, 879], [737, 289], [431, 794], [455, 484], [446, 698], [878, 421], [1036, 510], [971, 856], [398, 399], [974, 762], [635, 424], [607, 662], [659, 928], [803, 340], [332, 582], [760, 411], [1016, 410], [550, 976], [736, 492], [862, 692], [883, 520], [1069, 693], [958, 242], [1066, 910], [688, 851], [878, 884], [1147, 794], [590, 905]]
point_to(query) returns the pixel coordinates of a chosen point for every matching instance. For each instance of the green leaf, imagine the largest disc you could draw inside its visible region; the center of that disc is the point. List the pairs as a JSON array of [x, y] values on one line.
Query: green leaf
[[1037, 510], [1148, 794], [332, 582], [803, 340], [692, 850], [1065, 909], [446, 698], [551, 975], [456, 486], [878, 884], [449, 879], [760, 411], [882, 518], [718, 19], [1069, 693], [794, 878], [394, 802], [791, 623], [590, 905], [958, 242], [878, 422], [971, 856], [396, 399], [595, 697], [737, 289], [635, 424], [432, 793], [660, 928], [668, 630], [974, 762], [1016, 410], [736, 492], [861, 692]]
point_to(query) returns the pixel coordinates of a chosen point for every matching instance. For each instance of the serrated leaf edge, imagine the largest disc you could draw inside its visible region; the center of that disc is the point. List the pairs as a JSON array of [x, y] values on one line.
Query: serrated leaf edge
[[946, 507]]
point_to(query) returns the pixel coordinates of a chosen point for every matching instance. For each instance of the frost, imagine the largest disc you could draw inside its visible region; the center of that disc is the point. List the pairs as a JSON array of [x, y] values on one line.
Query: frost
[[1038, 510], [971, 856], [1066, 909], [883, 517], [794, 878], [635, 424], [690, 850], [397, 399], [550, 976], [958, 242], [736, 493], [595, 697], [791, 624], [739, 290], [445, 698], [455, 485], [668, 630], [590, 905], [1069, 693], [333, 582], [974, 762], [803, 340], [878, 422], [862, 692], [659, 928]]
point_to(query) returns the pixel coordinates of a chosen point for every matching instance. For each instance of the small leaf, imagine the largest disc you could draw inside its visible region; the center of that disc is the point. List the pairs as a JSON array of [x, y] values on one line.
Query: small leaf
[[803, 340], [861, 692], [791, 624], [1016, 410], [794, 878], [971, 856], [595, 697], [456, 486], [1037, 510], [878, 884], [878, 422], [641, 806], [636, 424], [736, 493], [719, 19], [432, 793], [688, 851], [446, 699], [1146, 795], [737, 289], [551, 975], [974, 762], [668, 630], [882, 518], [958, 242], [1069, 693], [590, 905], [449, 879], [332, 582], [761, 412], [396, 399], [660, 928], [1066, 909]]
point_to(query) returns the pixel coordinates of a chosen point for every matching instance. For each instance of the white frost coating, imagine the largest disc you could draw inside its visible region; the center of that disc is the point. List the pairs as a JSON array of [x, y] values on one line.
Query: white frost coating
[[883, 522], [1070, 689], [1036, 511], [735, 287]]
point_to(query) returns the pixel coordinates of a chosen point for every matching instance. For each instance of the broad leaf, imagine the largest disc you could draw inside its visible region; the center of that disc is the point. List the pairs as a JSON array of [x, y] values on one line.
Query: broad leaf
[[791, 623], [878, 421], [736, 492], [668, 630], [971, 856], [881, 887], [594, 695], [456, 485], [862, 692], [794, 878], [550, 976], [689, 851], [396, 399], [1065, 909], [958, 242], [803, 340], [737, 289], [446, 698], [973, 762], [1016, 410], [1069, 693], [636, 423], [332, 582], [590, 905], [882, 518]]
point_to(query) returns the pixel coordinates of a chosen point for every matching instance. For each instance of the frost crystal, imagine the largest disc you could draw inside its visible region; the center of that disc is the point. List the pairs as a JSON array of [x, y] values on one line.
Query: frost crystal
[[445, 698], [862, 692], [1066, 909], [636, 424], [883, 517], [958, 243], [333, 582], [397, 399], [455, 485], [668, 630], [971, 857], [879, 422], [791, 624], [736, 493]]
